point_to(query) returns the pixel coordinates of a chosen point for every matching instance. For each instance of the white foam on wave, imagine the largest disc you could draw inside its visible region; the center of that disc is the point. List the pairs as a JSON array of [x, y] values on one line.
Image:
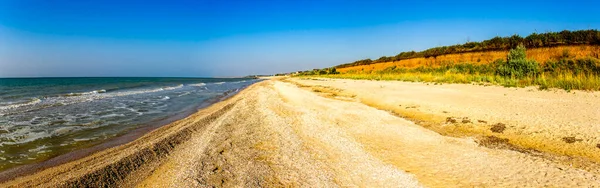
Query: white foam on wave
[[38, 149], [83, 139], [86, 93], [24, 135], [184, 94], [64, 144], [219, 83], [112, 115], [28, 103], [174, 87], [76, 98], [198, 84], [89, 96], [134, 111]]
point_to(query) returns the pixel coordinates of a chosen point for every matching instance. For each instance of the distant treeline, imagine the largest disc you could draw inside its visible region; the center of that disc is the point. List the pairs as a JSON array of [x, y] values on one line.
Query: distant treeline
[[550, 39]]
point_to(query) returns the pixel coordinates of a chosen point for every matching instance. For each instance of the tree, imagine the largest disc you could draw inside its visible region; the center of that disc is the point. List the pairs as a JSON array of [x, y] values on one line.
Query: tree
[[517, 65], [332, 70]]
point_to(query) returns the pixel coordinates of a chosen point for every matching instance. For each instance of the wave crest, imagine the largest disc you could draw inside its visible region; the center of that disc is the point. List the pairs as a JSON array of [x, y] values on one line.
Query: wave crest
[[28, 103], [85, 93], [174, 87], [198, 84]]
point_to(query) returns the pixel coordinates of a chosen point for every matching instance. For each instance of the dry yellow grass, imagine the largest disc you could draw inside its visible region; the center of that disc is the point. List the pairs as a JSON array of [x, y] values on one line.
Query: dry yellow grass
[[539, 54]]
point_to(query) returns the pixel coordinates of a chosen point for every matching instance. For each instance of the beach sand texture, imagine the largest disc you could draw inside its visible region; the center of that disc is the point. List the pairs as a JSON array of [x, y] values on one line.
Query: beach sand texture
[[555, 121], [277, 134]]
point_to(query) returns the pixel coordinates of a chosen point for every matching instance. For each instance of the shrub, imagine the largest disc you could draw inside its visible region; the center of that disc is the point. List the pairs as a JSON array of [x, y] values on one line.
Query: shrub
[[332, 70], [517, 65]]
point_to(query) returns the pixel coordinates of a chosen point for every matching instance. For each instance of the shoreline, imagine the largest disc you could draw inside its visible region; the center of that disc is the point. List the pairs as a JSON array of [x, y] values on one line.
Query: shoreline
[[129, 136]]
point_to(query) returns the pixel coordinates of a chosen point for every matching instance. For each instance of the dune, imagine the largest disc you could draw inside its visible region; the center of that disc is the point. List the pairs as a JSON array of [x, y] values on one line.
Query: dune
[[337, 133]]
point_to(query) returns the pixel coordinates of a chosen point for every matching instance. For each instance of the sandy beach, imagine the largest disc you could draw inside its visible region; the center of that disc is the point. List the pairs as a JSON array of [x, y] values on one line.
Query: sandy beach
[[336, 133], [555, 121]]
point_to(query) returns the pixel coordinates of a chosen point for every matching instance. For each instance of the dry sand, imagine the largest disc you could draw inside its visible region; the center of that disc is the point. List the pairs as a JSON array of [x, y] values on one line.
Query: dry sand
[[556, 121], [275, 134]]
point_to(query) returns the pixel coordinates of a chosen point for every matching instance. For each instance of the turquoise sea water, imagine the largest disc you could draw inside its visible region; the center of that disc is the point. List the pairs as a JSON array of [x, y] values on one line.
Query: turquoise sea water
[[44, 117]]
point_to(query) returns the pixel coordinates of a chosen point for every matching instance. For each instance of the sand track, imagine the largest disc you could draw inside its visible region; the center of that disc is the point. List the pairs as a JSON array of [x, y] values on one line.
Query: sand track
[[274, 134]]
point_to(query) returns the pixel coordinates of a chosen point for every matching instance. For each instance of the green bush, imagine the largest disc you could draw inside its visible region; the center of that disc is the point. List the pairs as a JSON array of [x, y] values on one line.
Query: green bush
[[332, 70], [517, 65]]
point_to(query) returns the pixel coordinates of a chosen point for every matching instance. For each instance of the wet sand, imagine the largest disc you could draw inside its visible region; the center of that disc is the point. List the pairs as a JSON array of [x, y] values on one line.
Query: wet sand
[[278, 133]]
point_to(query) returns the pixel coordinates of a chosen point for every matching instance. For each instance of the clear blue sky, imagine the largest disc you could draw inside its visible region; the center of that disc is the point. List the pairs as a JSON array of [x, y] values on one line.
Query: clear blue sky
[[237, 38]]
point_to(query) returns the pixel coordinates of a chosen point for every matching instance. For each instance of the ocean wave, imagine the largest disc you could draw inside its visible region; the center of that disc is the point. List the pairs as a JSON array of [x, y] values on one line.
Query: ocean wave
[[63, 130], [24, 135], [135, 92], [38, 149], [112, 115], [198, 84], [77, 98], [85, 93], [219, 83], [83, 139], [174, 87], [123, 93], [17, 105], [133, 110], [184, 94], [71, 98]]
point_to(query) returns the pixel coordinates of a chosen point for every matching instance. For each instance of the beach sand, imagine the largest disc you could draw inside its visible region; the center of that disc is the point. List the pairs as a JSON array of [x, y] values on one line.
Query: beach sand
[[333, 133], [554, 121]]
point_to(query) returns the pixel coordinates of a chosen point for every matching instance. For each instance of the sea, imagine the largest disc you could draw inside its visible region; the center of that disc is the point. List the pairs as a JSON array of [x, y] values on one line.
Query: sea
[[41, 118]]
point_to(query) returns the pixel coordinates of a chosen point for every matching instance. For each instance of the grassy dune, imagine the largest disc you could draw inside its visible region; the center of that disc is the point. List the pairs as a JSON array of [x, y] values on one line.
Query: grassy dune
[[480, 58], [565, 67], [566, 59]]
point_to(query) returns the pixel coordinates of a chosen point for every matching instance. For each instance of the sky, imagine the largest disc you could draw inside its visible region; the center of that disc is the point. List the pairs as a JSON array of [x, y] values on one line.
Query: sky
[[218, 38]]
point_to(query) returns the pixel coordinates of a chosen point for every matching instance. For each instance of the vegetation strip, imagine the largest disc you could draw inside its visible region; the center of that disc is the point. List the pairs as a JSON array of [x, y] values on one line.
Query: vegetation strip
[[575, 68]]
